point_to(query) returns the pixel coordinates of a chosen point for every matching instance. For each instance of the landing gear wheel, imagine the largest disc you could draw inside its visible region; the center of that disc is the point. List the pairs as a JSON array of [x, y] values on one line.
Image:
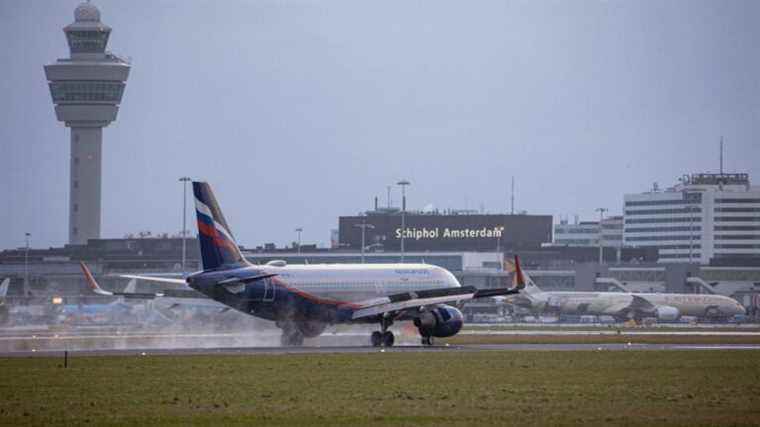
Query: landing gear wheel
[[426, 340], [388, 339], [376, 338]]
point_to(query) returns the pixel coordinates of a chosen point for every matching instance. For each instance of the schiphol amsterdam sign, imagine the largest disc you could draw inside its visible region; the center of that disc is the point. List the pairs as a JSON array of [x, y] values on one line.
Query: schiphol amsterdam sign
[[426, 233]]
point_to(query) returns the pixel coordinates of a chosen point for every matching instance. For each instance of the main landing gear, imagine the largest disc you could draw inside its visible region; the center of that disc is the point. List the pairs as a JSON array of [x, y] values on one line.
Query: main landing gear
[[383, 337]]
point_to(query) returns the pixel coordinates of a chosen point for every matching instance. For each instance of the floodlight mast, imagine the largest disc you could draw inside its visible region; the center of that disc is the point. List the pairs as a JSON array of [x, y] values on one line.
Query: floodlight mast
[[403, 184]]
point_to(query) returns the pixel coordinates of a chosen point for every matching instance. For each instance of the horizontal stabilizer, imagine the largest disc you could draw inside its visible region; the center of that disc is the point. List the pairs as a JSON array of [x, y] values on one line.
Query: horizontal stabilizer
[[155, 279], [236, 280], [100, 291]]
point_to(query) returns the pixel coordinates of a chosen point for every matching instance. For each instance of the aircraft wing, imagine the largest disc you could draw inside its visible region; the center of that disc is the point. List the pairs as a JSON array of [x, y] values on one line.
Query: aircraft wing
[[616, 309], [642, 305], [407, 300], [415, 300]]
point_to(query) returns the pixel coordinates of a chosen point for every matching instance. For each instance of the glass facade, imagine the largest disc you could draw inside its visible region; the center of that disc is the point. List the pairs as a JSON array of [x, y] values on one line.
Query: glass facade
[[86, 91], [661, 229], [87, 41], [663, 202], [686, 210], [662, 238], [725, 200]]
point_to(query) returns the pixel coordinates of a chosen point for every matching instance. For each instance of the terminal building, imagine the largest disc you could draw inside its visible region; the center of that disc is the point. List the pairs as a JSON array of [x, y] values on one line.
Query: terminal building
[[590, 233], [705, 219]]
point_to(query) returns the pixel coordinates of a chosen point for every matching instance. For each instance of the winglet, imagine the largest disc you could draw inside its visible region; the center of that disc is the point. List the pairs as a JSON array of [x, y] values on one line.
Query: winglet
[[131, 286], [91, 281], [519, 278], [4, 287]]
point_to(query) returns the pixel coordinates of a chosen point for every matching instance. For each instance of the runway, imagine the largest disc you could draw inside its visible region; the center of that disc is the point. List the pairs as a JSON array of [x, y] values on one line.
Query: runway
[[109, 341], [253, 351]]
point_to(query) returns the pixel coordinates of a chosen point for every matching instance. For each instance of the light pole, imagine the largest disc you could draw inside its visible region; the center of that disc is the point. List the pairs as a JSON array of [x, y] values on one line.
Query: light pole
[[26, 266], [364, 226], [299, 230], [601, 218], [184, 180], [403, 183]]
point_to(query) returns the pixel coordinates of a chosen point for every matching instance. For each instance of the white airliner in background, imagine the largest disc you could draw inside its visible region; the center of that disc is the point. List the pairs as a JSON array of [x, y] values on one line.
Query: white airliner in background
[[625, 305]]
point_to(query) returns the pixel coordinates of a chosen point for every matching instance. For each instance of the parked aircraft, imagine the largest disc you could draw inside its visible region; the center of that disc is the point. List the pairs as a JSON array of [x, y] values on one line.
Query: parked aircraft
[[304, 299], [113, 312], [625, 305]]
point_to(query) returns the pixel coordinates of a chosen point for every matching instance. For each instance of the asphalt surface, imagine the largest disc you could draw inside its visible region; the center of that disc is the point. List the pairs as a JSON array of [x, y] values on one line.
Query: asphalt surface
[[252, 351]]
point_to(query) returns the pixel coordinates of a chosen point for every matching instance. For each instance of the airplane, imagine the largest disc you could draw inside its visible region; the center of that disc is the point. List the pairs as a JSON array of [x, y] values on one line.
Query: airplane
[[303, 300], [624, 305], [114, 312]]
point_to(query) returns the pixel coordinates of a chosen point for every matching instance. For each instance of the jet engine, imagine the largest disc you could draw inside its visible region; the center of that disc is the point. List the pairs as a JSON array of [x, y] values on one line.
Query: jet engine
[[311, 329], [667, 313], [442, 321]]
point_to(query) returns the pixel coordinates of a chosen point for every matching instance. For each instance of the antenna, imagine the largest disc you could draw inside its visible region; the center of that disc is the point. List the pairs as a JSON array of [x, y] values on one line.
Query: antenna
[[512, 198], [721, 154]]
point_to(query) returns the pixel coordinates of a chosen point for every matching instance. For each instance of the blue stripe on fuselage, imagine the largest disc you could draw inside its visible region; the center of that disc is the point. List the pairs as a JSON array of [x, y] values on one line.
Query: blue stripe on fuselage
[[271, 298]]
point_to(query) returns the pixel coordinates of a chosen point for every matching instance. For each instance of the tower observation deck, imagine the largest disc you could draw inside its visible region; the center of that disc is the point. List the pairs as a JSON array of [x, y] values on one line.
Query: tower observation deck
[[86, 90]]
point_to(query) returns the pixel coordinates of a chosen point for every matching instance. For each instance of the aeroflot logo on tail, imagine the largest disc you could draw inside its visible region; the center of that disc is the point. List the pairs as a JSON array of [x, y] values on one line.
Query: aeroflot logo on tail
[[450, 233]]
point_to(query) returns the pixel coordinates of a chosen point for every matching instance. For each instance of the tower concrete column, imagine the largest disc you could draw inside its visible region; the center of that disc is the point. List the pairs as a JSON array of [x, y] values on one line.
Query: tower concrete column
[[85, 183]]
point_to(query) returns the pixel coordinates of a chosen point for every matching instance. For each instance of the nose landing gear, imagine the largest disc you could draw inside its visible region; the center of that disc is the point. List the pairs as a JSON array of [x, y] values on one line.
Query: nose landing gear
[[382, 339]]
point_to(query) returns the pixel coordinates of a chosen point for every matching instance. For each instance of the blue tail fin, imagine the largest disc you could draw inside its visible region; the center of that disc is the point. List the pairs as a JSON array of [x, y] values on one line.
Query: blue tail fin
[[218, 247]]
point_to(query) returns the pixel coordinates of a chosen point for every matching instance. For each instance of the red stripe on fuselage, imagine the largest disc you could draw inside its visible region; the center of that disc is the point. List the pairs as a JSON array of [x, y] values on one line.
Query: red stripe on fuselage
[[313, 298]]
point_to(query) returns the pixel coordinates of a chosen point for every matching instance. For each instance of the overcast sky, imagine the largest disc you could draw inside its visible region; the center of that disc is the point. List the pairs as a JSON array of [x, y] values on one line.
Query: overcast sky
[[298, 112]]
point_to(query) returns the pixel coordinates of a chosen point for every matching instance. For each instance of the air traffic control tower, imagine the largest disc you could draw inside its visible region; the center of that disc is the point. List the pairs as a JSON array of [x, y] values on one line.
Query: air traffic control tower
[[86, 90]]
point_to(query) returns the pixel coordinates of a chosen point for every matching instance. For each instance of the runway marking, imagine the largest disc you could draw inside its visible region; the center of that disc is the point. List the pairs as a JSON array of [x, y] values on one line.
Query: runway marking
[[719, 347], [612, 332]]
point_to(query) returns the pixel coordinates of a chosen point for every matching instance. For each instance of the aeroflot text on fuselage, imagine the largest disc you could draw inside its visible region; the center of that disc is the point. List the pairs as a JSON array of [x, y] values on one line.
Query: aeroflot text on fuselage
[[449, 233]]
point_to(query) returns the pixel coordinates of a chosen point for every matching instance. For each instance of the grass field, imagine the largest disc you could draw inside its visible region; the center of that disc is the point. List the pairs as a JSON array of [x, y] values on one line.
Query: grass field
[[436, 388]]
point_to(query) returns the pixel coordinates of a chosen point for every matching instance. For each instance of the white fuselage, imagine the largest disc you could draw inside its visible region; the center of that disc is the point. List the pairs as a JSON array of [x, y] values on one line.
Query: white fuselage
[[358, 282]]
